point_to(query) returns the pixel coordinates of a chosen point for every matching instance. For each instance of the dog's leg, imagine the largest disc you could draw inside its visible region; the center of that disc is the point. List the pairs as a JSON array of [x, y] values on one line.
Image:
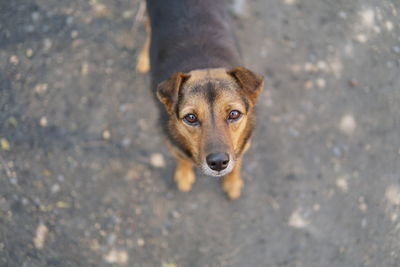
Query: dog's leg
[[233, 184], [184, 174], [143, 60]]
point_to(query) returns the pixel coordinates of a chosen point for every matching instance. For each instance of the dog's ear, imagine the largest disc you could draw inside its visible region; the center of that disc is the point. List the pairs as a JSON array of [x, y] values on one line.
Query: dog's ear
[[250, 82], [168, 90]]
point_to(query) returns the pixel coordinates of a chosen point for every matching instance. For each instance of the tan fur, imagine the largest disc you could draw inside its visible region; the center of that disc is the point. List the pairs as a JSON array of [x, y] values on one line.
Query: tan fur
[[143, 60]]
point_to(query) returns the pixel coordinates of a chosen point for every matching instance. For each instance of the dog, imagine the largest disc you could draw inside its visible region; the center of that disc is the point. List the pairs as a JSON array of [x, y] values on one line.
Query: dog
[[206, 96]]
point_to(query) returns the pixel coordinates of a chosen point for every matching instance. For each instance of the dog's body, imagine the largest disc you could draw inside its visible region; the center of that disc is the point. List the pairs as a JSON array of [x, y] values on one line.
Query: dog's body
[[208, 101]]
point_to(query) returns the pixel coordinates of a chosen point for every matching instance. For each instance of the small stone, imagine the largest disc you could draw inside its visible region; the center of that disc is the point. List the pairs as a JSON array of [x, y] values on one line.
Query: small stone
[[392, 194], [55, 188], [140, 242], [29, 53], [12, 121], [41, 88], [47, 44], [361, 38], [84, 68], [342, 14], [4, 144], [106, 134], [309, 84], [296, 220], [348, 124], [35, 16], [309, 67], [126, 142], [117, 256], [157, 160], [321, 83], [353, 82], [69, 20], [14, 60], [341, 182], [289, 2], [74, 34], [40, 237], [316, 207], [322, 65], [43, 121], [100, 10], [362, 205], [389, 25]]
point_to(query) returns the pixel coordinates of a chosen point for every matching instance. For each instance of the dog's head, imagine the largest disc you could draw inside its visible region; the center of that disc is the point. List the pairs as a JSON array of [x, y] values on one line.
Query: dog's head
[[211, 114]]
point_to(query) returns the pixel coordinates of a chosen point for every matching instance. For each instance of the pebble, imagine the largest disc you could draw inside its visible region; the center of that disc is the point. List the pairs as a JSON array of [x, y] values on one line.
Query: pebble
[[353, 82], [35, 16], [117, 256], [309, 84], [126, 142], [47, 44], [40, 236], [361, 38], [43, 121], [106, 134], [341, 183], [84, 68], [69, 20], [100, 10], [4, 144], [321, 83], [14, 60], [392, 194], [289, 2], [29, 53], [362, 205], [55, 188], [157, 160], [296, 220], [389, 25], [140, 242], [41, 88], [348, 124], [74, 34]]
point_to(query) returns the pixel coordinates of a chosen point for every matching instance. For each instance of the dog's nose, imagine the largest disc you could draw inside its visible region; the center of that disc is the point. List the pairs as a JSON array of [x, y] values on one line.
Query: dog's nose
[[217, 161]]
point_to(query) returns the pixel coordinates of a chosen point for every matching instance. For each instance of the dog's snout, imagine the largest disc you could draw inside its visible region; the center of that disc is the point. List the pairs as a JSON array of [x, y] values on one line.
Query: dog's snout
[[217, 161]]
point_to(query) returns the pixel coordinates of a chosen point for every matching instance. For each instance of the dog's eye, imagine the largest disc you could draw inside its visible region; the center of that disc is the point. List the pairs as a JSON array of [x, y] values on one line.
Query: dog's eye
[[191, 119], [234, 115]]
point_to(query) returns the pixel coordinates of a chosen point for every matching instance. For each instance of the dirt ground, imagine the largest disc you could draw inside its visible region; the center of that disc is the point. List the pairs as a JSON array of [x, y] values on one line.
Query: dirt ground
[[85, 179]]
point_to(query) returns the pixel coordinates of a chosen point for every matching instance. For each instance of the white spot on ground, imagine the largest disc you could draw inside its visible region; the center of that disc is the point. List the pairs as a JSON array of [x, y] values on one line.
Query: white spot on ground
[[341, 183], [157, 160], [40, 236], [321, 83], [117, 256], [389, 25], [368, 18], [392, 194], [289, 2], [348, 124], [296, 220]]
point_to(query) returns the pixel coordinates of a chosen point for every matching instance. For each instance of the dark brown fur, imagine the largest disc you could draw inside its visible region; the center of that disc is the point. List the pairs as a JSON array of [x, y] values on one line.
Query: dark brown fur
[[193, 59]]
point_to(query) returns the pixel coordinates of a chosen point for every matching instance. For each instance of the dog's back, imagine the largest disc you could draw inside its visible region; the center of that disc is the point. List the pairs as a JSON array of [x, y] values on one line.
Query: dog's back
[[188, 35]]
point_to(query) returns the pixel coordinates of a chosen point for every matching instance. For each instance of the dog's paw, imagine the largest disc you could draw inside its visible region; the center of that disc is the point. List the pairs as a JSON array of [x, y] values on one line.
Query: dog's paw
[[233, 187], [184, 179]]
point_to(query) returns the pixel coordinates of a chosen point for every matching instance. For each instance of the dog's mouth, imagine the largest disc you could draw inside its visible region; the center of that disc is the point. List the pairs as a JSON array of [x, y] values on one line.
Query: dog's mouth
[[214, 173]]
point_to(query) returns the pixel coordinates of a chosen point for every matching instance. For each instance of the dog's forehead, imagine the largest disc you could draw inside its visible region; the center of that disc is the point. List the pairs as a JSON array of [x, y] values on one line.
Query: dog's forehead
[[212, 82]]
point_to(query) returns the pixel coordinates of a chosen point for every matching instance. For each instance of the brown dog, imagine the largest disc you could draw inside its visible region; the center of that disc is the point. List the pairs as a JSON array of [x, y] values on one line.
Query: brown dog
[[208, 100]]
